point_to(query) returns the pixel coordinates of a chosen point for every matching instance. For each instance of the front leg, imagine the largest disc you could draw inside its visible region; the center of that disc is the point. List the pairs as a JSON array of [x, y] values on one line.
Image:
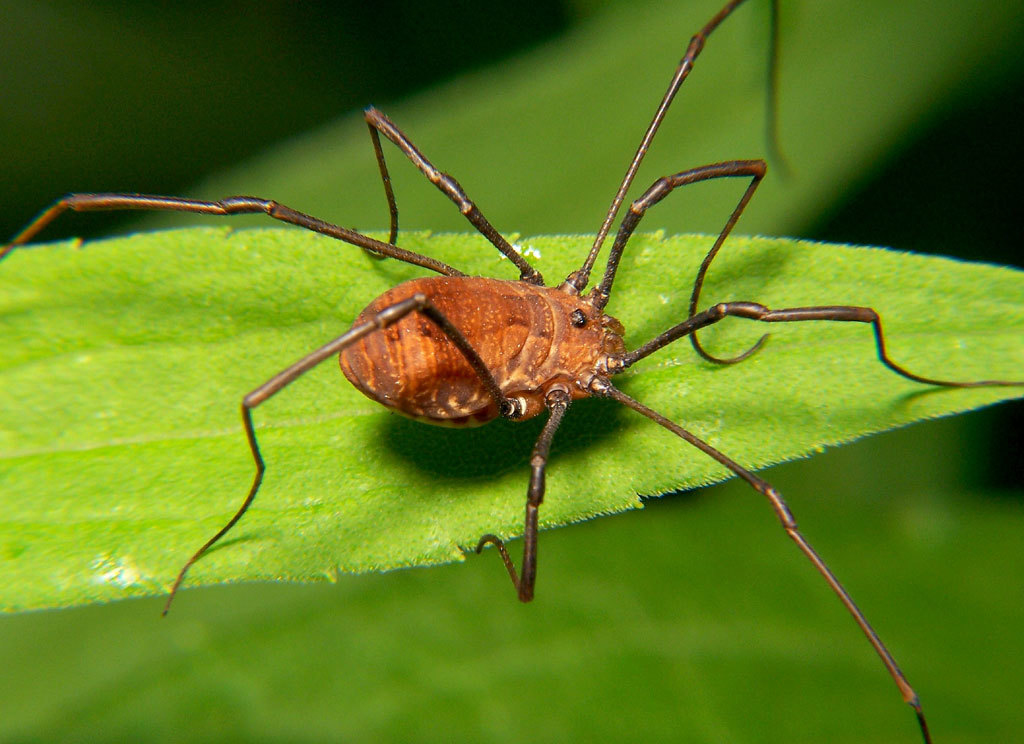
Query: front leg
[[388, 316]]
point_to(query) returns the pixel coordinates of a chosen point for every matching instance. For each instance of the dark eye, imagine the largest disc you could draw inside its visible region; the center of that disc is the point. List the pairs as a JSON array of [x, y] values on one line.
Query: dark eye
[[577, 318]]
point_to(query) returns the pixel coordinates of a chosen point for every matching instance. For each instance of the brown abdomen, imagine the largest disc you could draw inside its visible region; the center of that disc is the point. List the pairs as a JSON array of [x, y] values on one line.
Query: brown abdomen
[[414, 368]]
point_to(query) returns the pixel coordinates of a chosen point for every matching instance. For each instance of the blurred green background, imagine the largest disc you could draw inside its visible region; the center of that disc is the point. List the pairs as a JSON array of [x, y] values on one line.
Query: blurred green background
[[900, 129]]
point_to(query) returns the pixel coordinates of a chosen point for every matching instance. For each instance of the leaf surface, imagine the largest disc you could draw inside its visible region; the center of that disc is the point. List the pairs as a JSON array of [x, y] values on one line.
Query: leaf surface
[[124, 363]]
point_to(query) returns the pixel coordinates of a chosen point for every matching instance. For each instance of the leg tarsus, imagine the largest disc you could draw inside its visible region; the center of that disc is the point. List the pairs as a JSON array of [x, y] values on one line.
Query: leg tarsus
[[727, 360], [778, 504], [503, 551], [385, 317], [250, 433]]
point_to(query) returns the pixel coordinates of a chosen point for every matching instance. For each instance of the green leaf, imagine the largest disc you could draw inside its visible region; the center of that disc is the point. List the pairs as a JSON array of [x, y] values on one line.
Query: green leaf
[[124, 362]]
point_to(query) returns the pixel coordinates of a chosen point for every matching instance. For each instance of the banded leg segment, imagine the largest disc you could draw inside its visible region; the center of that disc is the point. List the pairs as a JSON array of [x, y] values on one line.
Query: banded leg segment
[[448, 186], [222, 207], [557, 403], [755, 311], [392, 314], [778, 504]]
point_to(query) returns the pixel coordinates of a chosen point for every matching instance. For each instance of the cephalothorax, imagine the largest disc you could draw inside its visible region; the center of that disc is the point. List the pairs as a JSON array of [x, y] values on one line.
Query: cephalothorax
[[459, 350]]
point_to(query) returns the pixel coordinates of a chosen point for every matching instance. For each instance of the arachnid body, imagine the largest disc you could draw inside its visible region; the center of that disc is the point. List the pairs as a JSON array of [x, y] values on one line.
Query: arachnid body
[[540, 339], [461, 350]]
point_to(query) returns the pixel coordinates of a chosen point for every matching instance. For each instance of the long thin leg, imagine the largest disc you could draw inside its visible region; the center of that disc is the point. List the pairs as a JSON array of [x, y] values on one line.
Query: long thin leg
[[386, 317], [378, 122], [789, 524], [578, 279], [755, 311], [557, 403], [385, 177], [752, 169], [223, 207]]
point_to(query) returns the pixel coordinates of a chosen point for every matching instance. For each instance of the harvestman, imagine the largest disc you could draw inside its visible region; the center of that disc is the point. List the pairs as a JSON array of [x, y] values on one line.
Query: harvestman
[[518, 348]]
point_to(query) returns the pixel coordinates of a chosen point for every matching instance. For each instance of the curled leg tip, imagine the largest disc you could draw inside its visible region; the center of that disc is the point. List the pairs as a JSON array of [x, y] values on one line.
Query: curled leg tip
[[739, 357], [503, 552], [489, 539]]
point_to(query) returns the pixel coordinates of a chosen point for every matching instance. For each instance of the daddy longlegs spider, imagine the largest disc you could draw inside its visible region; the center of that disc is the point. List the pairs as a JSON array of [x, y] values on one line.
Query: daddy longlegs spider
[[455, 349]]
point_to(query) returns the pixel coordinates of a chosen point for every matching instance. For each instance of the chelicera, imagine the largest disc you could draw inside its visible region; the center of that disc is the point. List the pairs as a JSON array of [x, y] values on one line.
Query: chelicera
[[460, 350]]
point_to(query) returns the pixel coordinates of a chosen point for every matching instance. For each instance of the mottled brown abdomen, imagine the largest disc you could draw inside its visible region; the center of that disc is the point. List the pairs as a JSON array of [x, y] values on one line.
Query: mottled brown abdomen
[[524, 334]]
